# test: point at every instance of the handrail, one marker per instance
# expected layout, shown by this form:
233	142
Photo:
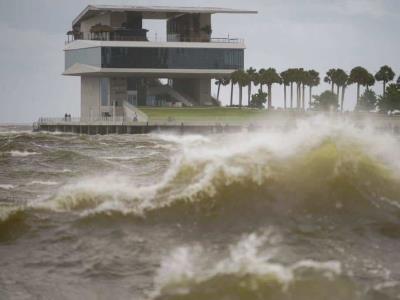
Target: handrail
155	38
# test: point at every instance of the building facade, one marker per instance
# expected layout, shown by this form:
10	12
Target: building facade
121	67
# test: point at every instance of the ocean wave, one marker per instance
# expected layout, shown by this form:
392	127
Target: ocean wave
7	186
247	269
6	212
12	221
42	182
183	139
17	153
318	166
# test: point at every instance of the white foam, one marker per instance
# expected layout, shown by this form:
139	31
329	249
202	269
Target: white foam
133	157
253	254
183	139
202	164
7	211
41	182
17	153
7	186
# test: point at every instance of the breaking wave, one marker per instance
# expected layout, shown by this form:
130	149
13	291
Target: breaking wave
17	153
248	271
319	166
7	186
12	221
42	182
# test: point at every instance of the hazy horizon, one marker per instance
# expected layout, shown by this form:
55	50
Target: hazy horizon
313	35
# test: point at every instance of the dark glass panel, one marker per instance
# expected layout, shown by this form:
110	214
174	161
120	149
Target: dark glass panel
172	58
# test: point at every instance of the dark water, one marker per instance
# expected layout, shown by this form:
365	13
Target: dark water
312	212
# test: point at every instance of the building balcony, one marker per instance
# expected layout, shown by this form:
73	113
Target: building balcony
136	36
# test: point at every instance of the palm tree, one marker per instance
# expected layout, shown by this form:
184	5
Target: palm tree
269	77
239	77
340	78
285	76
385	74
235	77
291	77
245	80
259	78
304	81
219	82
226	81
360	76
252	74
328	78
298	78
370	81
312	80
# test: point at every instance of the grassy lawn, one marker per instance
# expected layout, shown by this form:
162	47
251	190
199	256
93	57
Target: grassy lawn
202	113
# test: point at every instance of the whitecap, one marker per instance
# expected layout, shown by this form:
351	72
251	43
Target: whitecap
252	254
120	157
16	153
40	182
7	186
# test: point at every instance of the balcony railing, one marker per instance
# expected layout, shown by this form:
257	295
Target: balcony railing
123	121
107	36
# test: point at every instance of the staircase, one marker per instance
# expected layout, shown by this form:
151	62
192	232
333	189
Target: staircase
177	96
131	112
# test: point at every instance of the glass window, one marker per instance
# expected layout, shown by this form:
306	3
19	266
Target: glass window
105	91
172	58
85	56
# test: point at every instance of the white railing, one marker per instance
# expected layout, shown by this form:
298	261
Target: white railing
79	121
167	121
155	37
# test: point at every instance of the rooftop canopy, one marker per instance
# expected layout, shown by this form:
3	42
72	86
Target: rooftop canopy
155	12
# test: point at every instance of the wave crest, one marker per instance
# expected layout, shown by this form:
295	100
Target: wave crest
316	167
247	272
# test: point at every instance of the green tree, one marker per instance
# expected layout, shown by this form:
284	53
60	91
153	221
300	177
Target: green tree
298	78
291	75
235	77
340	78
360	76
259	78
312	80
327	101
285	75
251	72
244	80
329	78
390	100
385	74
303	82
368	101
219	82
270	77
370	81
259	99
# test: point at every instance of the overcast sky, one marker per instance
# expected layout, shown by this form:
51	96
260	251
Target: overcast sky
313	34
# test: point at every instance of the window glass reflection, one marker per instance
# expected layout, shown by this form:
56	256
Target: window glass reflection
172	58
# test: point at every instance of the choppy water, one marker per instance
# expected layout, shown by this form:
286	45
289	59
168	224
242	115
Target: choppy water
311	212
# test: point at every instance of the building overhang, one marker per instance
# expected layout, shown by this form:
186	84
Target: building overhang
154	12
87	70
81	44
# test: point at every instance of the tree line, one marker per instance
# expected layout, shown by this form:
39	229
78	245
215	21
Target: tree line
295	81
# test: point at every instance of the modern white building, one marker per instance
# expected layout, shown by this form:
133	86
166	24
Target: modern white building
121	66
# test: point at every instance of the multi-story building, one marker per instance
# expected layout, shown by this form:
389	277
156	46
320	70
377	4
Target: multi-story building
121	66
